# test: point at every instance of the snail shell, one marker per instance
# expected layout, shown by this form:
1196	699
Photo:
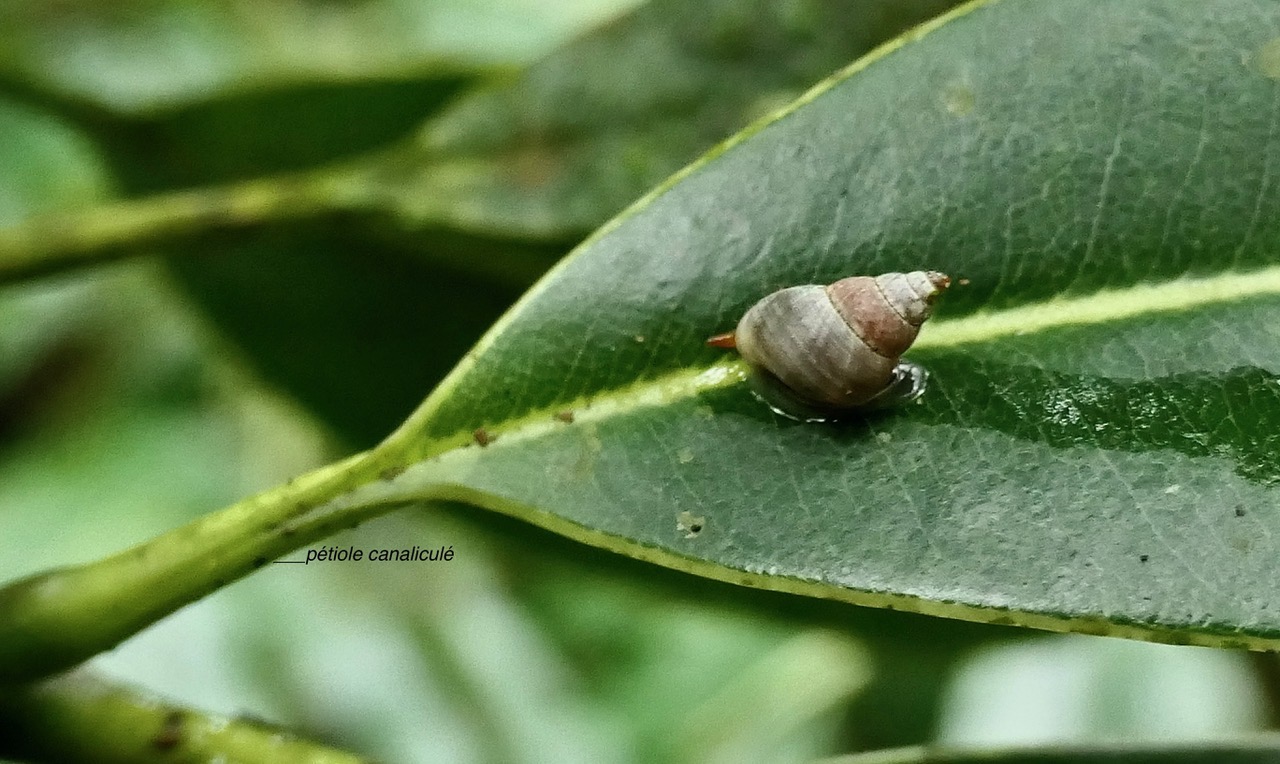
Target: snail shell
837	346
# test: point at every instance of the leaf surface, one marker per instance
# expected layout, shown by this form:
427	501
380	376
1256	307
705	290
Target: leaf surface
144	55
1097	449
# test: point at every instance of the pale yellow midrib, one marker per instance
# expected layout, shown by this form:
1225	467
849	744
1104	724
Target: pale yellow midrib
1100	308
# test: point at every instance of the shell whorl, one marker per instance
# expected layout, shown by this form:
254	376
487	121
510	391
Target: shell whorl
838	345
886	311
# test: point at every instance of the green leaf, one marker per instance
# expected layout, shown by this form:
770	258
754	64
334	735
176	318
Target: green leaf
45	165
354	329
1097	450
1071	689
1252	752
146	54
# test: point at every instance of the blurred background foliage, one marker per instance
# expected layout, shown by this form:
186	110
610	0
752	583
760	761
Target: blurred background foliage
138	395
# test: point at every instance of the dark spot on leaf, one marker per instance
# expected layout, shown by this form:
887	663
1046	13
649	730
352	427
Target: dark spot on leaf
391	473
1143	557
1240	512
565	416
483	437
689	524
258	562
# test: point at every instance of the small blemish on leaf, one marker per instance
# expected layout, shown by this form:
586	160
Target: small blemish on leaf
1240	512
391	473
684	455
1143	557
1266	60
1173	489
884	437
565	416
690	524
483	437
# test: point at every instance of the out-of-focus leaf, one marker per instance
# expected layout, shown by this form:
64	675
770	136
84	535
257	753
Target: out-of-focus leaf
353	327
45	165
267	130
558	150
1074	690
138	55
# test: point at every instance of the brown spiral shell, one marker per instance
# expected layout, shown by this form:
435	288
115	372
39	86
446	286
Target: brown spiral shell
837	346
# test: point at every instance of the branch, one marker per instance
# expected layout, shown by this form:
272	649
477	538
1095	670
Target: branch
80	718
61	240
56	619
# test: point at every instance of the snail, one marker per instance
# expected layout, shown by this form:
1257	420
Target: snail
836	348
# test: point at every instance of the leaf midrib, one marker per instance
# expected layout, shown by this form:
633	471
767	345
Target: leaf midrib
1107	306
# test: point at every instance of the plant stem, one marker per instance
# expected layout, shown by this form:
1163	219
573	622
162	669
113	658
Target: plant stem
56	619
79	718
61	240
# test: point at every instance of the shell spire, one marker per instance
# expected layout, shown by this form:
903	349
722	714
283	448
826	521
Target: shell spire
886	311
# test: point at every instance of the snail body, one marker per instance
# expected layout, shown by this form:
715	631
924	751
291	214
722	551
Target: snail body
838	347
